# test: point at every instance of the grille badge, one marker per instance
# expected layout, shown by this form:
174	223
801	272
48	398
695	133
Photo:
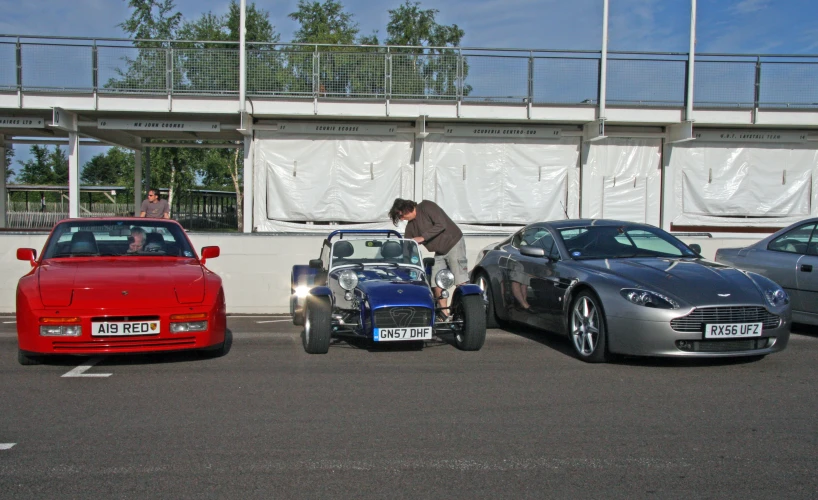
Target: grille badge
124	292
724	295
402	316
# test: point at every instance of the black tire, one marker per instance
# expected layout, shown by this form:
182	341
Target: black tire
222	349
317	325
482	280
472	334
26	359
586	328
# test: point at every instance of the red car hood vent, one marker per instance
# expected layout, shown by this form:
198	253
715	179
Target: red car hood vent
105	283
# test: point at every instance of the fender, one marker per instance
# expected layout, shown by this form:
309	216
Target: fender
321	291
467	289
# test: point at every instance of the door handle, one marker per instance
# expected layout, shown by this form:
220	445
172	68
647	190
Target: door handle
807	268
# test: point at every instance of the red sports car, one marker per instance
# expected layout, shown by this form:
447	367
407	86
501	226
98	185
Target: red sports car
123	285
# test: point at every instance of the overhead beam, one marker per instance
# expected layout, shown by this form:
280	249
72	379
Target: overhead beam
594	131
680	132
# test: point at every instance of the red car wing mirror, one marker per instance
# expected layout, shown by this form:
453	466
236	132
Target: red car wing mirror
209	253
28	254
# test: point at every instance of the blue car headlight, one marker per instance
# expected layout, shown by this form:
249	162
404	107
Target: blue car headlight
648	299
776	297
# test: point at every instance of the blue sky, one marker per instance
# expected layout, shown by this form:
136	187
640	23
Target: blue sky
745	26
723	26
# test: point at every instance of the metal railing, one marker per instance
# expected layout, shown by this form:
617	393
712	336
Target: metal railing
554	77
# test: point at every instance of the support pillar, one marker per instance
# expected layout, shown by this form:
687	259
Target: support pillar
247	210
137	182
73	174
3	170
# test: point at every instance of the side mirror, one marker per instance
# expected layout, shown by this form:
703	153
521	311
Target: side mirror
28	254
530	251
696	248
209	253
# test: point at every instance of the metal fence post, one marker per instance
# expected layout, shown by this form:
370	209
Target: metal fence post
459	79
19	57
95	72
530	99
169	75
387	84
757	90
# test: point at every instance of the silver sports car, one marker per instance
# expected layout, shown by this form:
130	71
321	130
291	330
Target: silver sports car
620	287
790	258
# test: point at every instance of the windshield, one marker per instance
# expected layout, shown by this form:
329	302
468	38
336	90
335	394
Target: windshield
90	238
610	242
375	251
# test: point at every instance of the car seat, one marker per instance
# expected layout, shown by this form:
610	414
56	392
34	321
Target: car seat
342	250
392	250
154	242
84	242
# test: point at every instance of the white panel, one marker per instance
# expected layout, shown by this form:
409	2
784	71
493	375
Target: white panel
313	178
490	181
730	183
622	180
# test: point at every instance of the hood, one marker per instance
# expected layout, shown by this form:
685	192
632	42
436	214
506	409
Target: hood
397	293
695	281
108	283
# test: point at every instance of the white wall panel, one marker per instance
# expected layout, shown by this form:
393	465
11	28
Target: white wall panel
494	180
724	183
621	179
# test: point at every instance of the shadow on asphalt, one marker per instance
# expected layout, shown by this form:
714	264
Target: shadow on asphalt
562	344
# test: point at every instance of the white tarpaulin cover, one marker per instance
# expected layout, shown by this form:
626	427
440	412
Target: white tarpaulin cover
622	179
321	178
723	183
494	180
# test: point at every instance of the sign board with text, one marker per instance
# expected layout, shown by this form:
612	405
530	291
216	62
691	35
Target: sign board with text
779	137
21	122
158	125
511	132
338	128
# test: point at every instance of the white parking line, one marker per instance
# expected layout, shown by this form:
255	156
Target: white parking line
8	322
275	321
6	446
81	369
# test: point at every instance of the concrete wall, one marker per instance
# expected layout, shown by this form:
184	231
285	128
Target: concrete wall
255	267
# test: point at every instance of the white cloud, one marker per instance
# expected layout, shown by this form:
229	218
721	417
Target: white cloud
748	6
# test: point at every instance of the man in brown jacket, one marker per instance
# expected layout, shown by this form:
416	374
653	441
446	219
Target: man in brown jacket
429	225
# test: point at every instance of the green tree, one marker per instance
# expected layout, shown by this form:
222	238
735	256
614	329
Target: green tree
214	66
344	70
153	23
37	170
59	166
112	168
9	158
430	70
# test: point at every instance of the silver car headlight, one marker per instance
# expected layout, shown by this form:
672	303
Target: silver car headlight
348	279
648	299
777	297
444	279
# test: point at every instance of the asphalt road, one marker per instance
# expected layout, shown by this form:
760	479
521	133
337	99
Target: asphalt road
519	419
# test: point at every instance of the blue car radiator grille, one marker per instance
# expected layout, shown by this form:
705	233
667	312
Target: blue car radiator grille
402	317
695	321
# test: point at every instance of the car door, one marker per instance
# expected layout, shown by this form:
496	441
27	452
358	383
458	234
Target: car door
531	278
786	262
806	273
546	284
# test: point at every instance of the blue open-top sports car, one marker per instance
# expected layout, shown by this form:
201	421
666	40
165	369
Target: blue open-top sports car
372	284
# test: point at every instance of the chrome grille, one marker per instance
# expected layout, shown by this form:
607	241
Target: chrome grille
695	321
403	317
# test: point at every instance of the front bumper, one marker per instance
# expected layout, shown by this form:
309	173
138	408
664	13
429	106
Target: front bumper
639	337
30	340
